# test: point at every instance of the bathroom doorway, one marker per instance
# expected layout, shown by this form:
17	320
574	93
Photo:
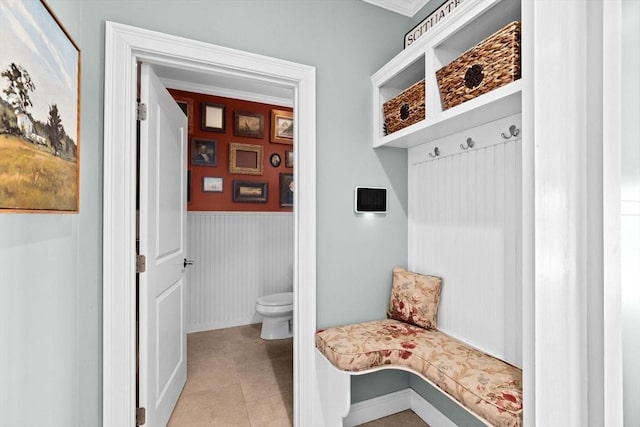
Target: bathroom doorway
124	46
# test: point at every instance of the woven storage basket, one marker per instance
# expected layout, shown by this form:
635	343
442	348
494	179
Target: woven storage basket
491	64
405	109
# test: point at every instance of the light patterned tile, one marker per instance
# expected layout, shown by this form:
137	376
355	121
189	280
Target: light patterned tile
220	407
264	379
271	411
406	418
234	378
210	373
253	351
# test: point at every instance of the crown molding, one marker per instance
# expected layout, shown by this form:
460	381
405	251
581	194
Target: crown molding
404	7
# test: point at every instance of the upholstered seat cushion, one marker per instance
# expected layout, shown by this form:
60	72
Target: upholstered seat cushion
487	386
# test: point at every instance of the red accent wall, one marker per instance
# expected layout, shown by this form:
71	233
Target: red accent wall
223	201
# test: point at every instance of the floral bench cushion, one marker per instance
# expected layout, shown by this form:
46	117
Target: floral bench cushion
485	385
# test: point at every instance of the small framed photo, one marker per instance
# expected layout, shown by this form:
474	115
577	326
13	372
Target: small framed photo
250	192
250	125
286	189
245	158
186	105
288	158
203	152
275	160
213	117
212	184
282	127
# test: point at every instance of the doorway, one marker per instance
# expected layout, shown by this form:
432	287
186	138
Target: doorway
124	47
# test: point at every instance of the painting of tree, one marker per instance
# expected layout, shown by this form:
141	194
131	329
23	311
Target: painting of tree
39	110
18	87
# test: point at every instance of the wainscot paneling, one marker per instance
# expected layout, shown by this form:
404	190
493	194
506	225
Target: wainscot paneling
464	225
238	256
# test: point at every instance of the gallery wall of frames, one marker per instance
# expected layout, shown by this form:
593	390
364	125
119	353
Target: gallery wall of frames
239	155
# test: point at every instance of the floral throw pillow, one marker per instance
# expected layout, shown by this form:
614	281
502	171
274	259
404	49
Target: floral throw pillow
414	298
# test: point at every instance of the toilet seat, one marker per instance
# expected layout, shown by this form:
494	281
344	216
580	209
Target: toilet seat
275	303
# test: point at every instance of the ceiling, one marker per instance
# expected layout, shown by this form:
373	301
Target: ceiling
220	84
404	7
238	88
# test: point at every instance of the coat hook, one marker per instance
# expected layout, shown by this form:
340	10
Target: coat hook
436	152
513	131
469	144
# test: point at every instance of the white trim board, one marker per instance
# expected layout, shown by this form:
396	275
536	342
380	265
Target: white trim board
392	403
125	46
226	92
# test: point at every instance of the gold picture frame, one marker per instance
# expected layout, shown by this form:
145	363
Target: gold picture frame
282	127
186	105
246	159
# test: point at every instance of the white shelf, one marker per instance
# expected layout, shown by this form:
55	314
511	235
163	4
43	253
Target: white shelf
501	102
468	26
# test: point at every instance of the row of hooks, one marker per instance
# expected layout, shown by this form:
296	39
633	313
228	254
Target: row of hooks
513	132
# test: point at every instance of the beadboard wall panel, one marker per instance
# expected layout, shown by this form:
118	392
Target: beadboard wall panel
237	258
464	225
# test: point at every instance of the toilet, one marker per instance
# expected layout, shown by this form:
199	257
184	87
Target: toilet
277	313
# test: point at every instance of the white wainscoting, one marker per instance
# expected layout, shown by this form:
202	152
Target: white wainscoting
465	226
237	258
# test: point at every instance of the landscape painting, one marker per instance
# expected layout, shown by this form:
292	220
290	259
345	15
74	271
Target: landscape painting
39	111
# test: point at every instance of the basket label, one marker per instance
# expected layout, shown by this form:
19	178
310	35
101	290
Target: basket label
430	21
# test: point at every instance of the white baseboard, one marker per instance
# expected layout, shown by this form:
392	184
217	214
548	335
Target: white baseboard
210	326
428	412
392	403
378	407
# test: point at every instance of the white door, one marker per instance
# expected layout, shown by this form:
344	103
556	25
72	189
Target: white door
163	356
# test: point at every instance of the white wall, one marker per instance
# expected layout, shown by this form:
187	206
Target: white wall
465	226
238	256
630	221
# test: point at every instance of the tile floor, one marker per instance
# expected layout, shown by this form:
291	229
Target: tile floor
236	379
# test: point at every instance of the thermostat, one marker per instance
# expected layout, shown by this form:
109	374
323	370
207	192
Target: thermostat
370	199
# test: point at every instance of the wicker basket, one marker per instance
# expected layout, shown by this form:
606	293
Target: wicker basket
491	64
405	109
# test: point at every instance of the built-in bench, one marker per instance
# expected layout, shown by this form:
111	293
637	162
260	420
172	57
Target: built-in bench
487	387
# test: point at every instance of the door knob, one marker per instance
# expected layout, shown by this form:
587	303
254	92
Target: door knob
187	262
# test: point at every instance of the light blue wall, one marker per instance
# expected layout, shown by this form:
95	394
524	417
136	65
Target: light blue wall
50	265
50	318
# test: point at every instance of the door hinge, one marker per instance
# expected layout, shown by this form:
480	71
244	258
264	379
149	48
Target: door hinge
142	111
141	415
141	263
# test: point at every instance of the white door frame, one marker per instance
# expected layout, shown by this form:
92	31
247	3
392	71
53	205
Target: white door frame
124	47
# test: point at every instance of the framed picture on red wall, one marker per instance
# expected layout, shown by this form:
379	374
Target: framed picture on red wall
213	117
286	189
288	158
250	125
203	152
212	184
245	159
250	192
282	127
186	105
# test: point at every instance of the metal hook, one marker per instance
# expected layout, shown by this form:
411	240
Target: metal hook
469	144
436	152
513	131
